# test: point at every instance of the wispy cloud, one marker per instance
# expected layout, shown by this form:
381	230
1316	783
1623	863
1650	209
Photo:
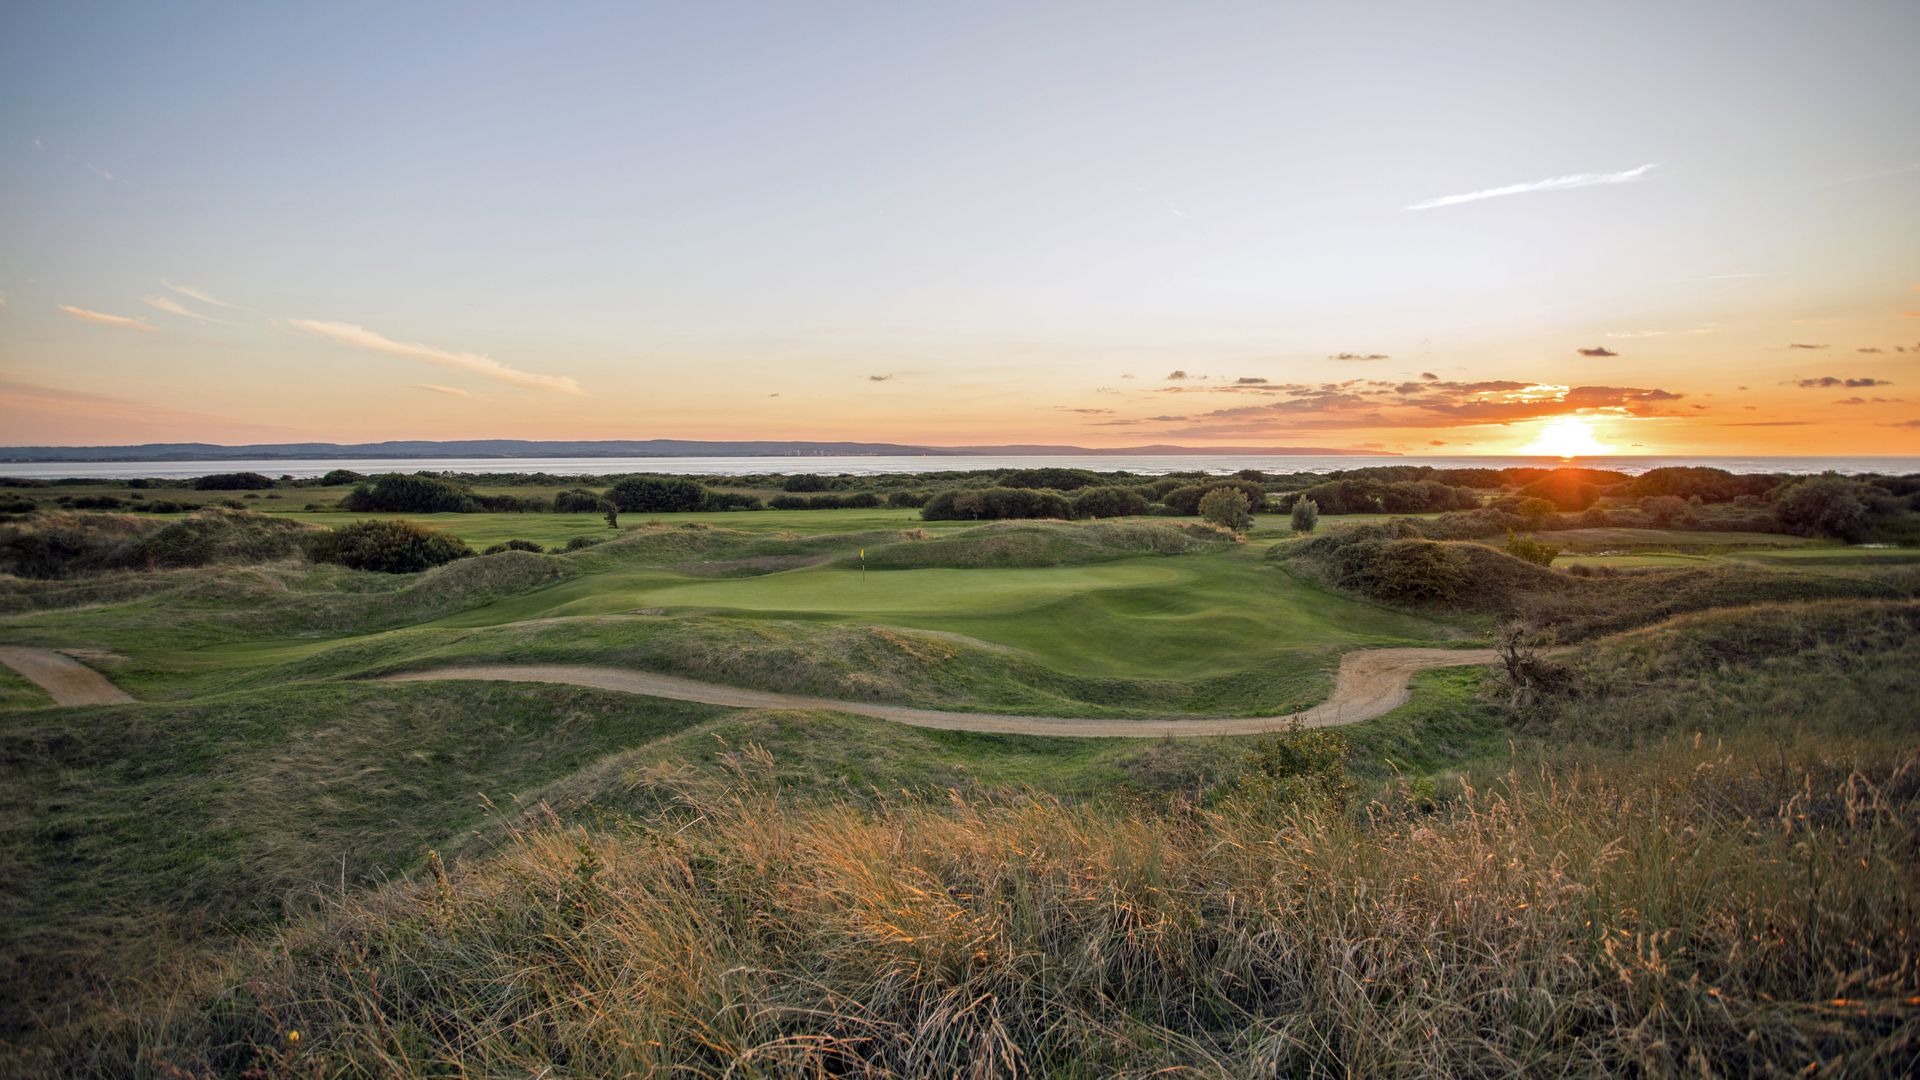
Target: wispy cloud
450	391
1797	345
880	378
1555	183
1359	356
360	337
105	319
1599	350
174	307
192	293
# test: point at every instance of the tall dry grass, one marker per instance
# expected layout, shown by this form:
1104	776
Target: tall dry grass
1698	907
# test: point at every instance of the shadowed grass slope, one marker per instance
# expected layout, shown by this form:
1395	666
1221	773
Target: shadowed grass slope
121	822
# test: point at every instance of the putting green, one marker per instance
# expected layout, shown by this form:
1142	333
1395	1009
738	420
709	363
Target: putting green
1178	617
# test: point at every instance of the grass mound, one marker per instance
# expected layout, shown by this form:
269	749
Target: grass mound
1390	564
218	536
66	545
1025	544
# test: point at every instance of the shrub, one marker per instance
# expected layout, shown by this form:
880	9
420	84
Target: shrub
1832	506
576	501
1298	767
1668	511
1306	515
386	546
516	545
1054	478
1372	496
1530	550
340	478
1110	502
806	482
1566	489
656	495
995	504
1707	485
239	481
1226	508
579	543
789	502
907	500
96	502
715	501
1409	571
403	493
1534	512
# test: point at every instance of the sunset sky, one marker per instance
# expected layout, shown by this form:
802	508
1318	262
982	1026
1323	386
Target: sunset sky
1692	227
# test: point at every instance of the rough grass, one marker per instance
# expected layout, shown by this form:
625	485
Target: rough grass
1694	910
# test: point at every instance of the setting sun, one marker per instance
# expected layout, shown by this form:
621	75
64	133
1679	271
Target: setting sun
1566	437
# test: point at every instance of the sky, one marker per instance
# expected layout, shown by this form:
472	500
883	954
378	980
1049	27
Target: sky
1474	228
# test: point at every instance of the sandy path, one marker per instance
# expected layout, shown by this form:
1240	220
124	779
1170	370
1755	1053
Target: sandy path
1370	682
66	680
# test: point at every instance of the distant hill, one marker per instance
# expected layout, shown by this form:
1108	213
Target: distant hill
523	448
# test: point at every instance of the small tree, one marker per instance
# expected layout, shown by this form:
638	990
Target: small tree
613	514
1227	508
1533	551
1306	515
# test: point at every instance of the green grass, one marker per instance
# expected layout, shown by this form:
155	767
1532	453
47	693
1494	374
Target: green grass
17	693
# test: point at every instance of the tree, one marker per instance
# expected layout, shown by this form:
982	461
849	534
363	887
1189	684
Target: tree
1226	508
1306	515
656	495
1186	500
613	514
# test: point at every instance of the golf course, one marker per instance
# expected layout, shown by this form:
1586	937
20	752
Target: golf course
237	772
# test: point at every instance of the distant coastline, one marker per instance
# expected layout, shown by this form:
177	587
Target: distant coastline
1214	462
622	448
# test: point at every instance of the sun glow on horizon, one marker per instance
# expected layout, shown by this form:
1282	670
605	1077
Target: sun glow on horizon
1566	437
